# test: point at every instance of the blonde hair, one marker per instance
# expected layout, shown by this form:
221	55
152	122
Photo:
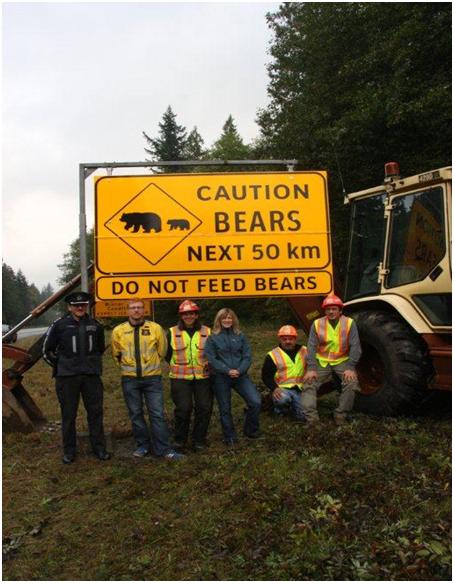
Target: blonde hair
217	325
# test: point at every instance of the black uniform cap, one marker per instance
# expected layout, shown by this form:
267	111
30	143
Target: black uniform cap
79	297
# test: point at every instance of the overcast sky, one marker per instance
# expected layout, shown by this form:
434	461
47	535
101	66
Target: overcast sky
82	81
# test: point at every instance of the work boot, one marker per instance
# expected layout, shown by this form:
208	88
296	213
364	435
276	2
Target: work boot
256	435
178	444
199	446
141	451
340	419
174	456
68	458
231	444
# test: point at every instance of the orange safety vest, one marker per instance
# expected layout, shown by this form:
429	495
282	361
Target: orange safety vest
288	372
187	360
333	343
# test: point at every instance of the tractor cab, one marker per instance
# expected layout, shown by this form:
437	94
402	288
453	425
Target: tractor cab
400	246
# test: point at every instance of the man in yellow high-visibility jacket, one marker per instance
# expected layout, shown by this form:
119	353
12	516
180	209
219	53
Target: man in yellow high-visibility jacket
189	376
283	371
333	349
138	346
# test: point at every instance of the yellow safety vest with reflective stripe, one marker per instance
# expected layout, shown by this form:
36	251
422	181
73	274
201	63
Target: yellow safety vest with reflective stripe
333	342
187	360
288	372
151	348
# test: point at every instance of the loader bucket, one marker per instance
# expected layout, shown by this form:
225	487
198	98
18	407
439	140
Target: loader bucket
19	411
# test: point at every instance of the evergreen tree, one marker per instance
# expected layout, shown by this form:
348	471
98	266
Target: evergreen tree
11	306
170	145
46	292
193	149
19	298
52	313
23	295
230	145
34	297
71	260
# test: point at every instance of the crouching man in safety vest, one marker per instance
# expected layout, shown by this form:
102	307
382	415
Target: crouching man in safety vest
138	345
333	348
189	376
283	372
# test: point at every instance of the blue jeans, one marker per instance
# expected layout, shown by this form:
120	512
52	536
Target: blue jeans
223	385
290	400
149	389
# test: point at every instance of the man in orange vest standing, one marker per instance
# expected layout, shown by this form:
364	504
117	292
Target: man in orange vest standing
283	372
333	348
189	376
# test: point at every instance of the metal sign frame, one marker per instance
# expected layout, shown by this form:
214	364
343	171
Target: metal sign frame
87	168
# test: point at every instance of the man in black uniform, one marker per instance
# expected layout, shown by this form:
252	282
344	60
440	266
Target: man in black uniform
74	346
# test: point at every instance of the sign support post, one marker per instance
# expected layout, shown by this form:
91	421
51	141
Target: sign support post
82	231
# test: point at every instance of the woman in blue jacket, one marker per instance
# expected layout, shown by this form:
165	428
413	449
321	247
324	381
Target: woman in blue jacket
229	355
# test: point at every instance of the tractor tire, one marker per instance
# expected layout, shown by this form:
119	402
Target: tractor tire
394	367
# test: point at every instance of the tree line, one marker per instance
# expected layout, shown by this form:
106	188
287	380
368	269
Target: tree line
351	86
19	298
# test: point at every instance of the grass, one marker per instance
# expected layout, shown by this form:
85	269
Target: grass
368	501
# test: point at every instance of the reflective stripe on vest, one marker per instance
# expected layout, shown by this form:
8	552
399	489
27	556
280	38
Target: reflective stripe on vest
288	372
187	360
333	343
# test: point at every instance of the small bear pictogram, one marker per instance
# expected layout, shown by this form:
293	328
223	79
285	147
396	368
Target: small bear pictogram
181	224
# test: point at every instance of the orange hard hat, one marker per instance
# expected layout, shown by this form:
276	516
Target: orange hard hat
332	300
188	306
287	331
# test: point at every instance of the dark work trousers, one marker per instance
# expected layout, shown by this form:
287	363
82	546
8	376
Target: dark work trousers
69	390
188	395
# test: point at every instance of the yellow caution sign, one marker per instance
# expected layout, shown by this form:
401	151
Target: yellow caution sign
211	228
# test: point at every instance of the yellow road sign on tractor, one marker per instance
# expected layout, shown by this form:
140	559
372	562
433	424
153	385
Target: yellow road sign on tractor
207	235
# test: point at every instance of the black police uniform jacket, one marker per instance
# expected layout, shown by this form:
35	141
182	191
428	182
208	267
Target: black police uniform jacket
74	347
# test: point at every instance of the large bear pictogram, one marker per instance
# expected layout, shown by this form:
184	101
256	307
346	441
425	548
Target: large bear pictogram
148	222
